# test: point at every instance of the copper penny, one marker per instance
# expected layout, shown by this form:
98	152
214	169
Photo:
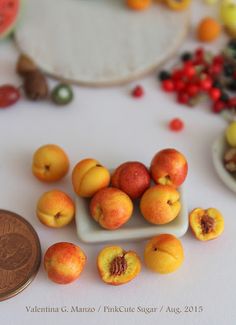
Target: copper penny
20	254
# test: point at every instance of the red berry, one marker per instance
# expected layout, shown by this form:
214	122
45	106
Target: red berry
192	89
214	94
199	53
168	85
215	69
9	95
179	85
138	92
176	125
218	106
189	71
206	83
183	98
232	102
177	74
218	59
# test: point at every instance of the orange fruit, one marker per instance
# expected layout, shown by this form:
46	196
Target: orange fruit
178	4
138	4
208	30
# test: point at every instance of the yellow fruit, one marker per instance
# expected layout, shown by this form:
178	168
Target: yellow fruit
231	134
228	13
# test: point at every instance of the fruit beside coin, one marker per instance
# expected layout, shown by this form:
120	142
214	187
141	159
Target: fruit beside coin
64	262
116	266
55	209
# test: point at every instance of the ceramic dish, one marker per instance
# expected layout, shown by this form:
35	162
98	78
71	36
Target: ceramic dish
218	150
137	228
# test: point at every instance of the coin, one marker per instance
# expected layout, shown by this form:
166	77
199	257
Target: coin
20	254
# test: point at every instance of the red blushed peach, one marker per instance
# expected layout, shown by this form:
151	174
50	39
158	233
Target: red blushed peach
55	209
111	208
132	178
64	262
89	176
160	204
169	167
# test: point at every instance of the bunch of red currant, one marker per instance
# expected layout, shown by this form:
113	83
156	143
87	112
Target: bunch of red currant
202	74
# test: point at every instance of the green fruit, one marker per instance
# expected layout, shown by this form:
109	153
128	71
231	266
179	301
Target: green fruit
10	12
231	134
62	94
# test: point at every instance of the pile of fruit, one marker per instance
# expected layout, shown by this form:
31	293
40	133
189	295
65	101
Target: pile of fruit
111	206
202	75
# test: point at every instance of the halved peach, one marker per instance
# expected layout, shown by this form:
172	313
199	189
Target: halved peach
116	266
206	224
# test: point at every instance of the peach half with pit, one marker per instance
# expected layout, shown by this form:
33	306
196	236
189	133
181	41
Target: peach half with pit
116	266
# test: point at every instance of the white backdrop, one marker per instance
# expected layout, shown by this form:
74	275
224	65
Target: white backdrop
109	125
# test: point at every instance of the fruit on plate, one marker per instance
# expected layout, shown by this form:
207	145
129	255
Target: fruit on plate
164	254
89	176
230	134
64	262
208	30
25	65
138	4
50	163
230	160
55	209
116	266
206	224
131	177
228	13
169	167
160	204
178	4
9	15
111	208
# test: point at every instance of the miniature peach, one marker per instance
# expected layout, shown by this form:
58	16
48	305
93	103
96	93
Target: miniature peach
208	30
164	254
206	224
131	177
64	262
138	4
169	167
50	163
55	209
160	204
116	266
88	177
111	208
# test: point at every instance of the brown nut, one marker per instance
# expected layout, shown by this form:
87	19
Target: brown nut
35	85
25	65
230	160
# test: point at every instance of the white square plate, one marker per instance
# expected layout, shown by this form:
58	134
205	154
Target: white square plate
136	228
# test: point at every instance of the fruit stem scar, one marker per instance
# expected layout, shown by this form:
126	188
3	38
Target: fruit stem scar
58	215
47	167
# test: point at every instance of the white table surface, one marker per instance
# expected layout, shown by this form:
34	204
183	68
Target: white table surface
109	125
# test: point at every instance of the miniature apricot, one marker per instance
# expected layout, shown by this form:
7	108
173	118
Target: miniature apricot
206	224
178	4
164	254
116	266
139	4
208	30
